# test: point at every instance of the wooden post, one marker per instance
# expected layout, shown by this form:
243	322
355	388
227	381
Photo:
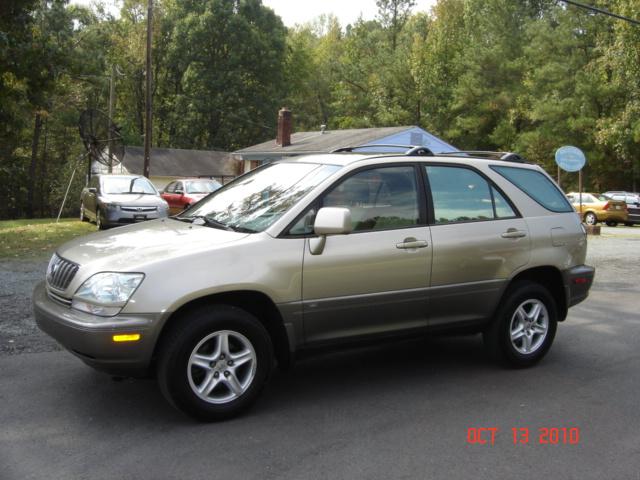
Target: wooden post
580	188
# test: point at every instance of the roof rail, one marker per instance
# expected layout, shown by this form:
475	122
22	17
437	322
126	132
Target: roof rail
411	150
504	156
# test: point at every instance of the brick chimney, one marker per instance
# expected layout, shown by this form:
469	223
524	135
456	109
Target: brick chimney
284	127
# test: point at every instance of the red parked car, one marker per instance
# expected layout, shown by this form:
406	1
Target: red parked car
183	193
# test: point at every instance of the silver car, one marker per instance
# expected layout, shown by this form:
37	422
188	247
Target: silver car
315	252
111	200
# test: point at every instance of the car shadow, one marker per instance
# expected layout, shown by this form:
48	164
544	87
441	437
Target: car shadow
360	373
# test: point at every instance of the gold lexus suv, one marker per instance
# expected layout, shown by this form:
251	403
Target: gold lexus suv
318	251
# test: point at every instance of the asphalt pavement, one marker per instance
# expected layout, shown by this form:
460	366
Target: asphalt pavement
392	412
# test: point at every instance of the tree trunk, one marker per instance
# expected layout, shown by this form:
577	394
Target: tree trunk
44	197
37	129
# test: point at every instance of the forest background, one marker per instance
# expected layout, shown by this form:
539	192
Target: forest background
509	75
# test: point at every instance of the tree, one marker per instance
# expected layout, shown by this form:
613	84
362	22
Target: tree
226	62
393	15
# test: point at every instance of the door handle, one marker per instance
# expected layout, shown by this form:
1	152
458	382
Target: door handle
412	243
514	233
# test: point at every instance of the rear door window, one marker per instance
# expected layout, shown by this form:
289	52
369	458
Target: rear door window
462	195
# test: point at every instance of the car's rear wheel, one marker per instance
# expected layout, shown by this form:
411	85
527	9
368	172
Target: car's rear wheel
627	224
590	218
611	223
215	364
524	327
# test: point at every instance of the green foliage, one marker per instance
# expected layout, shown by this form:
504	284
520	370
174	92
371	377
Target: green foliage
527	76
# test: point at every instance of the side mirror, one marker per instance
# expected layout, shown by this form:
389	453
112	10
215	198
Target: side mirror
178	192
92	190
329	221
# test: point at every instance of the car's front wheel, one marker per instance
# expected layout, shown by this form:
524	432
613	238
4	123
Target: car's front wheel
524	327
611	223
99	220
83	217
214	365
590	218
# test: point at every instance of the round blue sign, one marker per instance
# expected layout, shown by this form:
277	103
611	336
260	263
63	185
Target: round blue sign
570	159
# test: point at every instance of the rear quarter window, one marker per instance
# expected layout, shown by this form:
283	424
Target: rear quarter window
537	186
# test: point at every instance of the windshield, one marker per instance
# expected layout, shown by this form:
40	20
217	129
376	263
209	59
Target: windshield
118	185
202	186
257	200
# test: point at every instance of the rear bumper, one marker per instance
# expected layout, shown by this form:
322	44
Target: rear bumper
613	216
577	282
90	337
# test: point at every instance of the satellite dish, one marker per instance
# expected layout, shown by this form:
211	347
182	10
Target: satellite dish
101	138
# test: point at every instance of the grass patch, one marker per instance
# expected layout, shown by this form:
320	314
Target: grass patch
38	238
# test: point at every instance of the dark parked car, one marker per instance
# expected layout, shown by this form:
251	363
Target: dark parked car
183	193
633	204
111	200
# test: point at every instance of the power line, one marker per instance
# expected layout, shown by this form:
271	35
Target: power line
602	11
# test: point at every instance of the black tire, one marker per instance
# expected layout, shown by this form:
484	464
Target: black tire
497	337
590	218
627	224
611	223
176	377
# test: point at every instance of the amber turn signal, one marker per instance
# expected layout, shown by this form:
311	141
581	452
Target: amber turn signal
128	337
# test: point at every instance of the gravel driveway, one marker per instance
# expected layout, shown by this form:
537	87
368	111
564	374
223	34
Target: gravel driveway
617	249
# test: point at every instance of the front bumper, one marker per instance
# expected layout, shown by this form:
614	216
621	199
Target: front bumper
117	216
577	282
91	337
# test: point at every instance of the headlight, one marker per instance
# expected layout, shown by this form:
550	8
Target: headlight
105	294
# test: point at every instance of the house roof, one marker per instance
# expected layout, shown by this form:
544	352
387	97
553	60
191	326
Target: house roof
329	140
176	162
318	142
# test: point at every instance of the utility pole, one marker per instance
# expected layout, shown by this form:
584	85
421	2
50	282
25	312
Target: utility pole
148	129
112	99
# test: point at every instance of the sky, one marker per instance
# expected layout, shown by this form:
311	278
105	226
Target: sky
301	11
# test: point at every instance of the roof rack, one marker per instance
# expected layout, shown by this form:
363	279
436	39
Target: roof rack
421	151
411	150
504	156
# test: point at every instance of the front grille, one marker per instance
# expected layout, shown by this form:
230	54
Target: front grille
139	209
59	299
60	272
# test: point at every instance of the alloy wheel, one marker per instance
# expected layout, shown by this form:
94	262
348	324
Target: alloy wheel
529	326
222	367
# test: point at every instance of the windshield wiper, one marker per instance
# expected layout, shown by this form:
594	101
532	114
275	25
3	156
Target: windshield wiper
210	222
240	229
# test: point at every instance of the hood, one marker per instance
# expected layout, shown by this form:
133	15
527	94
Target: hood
132	247
136	199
